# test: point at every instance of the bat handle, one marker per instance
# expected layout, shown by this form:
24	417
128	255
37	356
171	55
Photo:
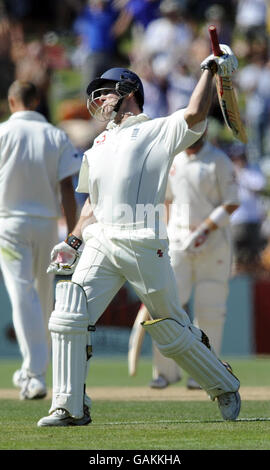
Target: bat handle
214	41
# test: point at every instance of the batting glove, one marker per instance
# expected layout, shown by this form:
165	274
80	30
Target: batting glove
65	256
196	241
224	65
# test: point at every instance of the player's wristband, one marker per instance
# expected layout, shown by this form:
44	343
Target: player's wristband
220	216
73	241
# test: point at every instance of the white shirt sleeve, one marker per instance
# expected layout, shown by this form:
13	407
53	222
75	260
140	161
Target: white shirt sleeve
70	160
176	136
227	181
83	177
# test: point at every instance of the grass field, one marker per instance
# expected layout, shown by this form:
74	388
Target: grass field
128	415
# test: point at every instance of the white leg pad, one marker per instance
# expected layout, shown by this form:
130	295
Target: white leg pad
71	348
165	366
183	343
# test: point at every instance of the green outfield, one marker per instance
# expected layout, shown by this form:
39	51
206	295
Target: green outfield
127	415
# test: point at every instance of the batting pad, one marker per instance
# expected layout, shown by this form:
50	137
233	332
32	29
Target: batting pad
70	348
165	366
184	345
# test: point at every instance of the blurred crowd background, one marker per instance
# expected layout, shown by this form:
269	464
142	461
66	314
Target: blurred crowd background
61	45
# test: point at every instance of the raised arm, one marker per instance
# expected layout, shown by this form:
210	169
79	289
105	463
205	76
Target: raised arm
200	101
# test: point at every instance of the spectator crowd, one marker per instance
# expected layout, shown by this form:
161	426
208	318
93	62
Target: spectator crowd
164	42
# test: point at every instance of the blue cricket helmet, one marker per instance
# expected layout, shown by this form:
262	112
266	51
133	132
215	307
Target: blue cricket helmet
125	81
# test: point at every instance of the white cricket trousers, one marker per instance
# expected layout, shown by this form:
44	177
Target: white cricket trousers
25	247
112	256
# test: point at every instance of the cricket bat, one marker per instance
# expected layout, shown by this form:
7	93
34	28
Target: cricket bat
226	95
136	340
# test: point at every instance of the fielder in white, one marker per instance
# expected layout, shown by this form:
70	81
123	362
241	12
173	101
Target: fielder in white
125	173
36	164
201	195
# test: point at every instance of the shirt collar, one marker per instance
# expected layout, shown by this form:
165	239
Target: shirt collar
28	115
129	121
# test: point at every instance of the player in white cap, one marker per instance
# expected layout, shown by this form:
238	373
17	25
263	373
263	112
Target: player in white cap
125	173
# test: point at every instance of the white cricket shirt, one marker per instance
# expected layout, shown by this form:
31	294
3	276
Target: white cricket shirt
126	170
197	185
34	157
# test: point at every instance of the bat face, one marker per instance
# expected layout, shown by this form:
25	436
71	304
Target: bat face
226	94
229	107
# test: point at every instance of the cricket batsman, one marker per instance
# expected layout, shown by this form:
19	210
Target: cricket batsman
125	173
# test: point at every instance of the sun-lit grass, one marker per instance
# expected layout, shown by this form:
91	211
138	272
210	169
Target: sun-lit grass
130	425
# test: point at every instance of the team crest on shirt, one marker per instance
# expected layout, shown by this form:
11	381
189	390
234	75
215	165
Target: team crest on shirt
134	134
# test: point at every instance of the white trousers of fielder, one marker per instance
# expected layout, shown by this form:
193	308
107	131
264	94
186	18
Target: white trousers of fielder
25	247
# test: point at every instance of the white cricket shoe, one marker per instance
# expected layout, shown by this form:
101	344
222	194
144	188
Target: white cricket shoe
229	404
19	378
31	387
35	388
61	417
